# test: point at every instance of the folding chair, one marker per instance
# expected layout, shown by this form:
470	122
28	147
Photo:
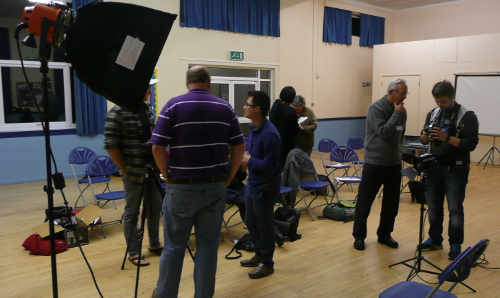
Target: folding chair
82	156
284	190
457	271
342	155
326	146
101	167
225	222
356	143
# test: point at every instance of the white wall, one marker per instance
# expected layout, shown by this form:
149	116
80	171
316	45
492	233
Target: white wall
436	60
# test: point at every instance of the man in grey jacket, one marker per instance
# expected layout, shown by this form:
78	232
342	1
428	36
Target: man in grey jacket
385	128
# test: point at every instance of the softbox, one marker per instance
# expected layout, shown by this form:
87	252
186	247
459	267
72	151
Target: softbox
114	47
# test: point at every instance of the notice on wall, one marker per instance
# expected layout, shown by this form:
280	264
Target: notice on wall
130	52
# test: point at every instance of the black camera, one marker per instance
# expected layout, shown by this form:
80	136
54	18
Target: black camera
428	128
421	162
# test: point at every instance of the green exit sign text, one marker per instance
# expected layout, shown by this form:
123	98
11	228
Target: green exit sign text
233	55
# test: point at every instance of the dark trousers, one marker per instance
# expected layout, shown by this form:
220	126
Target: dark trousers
260	223
373	177
440	182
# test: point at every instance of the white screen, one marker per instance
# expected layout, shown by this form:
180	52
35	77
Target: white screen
481	94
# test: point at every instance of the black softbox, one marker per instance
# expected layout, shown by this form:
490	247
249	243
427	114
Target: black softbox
104	29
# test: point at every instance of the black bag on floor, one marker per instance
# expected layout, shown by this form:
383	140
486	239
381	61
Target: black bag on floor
337	211
287	221
417	191
244	243
324	190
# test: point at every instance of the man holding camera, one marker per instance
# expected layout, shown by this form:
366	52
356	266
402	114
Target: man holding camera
385	128
125	138
451	131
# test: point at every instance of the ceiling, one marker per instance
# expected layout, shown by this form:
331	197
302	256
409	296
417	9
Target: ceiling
402	4
15	8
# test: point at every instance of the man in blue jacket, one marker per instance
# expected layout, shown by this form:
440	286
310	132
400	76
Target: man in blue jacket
263	183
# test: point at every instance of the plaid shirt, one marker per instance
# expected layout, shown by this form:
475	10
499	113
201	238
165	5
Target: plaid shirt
124	130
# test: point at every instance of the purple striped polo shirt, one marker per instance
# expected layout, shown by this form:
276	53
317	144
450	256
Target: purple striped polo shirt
198	127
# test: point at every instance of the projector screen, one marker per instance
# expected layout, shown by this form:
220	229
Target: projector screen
481	94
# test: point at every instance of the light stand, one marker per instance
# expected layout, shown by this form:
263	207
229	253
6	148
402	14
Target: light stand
416	268
490	154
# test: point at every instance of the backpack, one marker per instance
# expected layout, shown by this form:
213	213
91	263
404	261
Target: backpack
244	243
286	220
417	191
338	211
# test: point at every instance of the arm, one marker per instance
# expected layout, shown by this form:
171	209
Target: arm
272	149
161	159
117	158
312	122
383	127
234	161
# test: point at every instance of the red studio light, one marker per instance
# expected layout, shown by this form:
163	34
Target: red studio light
33	15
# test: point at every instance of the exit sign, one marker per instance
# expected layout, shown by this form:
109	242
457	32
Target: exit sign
233	55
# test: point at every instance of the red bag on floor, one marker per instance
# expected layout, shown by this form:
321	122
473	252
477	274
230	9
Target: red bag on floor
39	246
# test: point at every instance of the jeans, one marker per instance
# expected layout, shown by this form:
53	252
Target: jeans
185	206
373	177
260	223
131	214
440	182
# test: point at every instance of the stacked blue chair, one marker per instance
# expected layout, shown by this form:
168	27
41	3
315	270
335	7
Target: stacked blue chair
342	155
326	146
81	156
356	143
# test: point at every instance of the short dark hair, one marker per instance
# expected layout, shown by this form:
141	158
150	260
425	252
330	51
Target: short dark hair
287	94
197	74
261	99
443	88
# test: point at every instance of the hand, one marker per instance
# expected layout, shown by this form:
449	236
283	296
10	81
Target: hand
301	127
400	107
244	161
438	134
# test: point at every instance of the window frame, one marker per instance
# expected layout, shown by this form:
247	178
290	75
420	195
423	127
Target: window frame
37	126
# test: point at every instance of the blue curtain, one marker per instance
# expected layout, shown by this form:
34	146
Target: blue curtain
337	25
372	30
90	107
243	16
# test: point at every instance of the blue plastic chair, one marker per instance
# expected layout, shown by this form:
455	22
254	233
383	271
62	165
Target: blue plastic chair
356	143
457	271
81	156
101	167
343	155
326	146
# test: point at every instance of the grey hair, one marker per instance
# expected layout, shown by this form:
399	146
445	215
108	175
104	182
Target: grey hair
393	85
299	100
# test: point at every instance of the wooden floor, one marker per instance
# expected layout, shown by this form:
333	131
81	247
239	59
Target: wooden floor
321	264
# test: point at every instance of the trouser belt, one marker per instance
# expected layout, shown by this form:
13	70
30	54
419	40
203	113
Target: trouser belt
199	180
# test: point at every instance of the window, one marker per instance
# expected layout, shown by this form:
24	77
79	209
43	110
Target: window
233	84
18	110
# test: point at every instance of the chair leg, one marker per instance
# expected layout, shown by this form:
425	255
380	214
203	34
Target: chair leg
102	227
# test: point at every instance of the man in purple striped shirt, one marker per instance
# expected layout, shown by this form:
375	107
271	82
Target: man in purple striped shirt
206	149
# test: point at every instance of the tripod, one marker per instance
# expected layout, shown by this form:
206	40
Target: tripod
150	178
490	154
417	260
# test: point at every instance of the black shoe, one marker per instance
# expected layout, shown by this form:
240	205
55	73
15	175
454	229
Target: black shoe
388	241
455	250
260	272
252	262
359	244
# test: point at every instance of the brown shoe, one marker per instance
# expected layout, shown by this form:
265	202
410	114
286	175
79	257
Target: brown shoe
252	262
260	272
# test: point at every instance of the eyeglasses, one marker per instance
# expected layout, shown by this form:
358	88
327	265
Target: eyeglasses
402	93
249	105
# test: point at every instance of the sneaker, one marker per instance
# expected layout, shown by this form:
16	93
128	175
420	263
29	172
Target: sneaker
252	262
430	244
260	272
455	250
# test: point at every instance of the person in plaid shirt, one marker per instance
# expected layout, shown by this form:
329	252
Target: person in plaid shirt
125	138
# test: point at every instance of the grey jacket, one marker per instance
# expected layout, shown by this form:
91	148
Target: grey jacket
298	168
385	128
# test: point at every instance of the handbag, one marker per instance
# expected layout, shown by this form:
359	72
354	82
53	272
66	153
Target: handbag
244	243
